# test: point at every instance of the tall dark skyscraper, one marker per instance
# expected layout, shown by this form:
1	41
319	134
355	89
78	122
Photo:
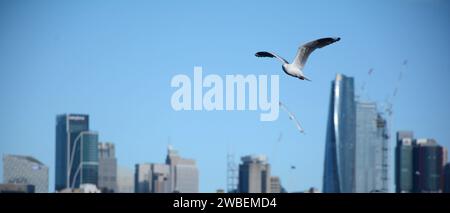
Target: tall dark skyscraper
419	164
404	162
428	166
339	166
76	152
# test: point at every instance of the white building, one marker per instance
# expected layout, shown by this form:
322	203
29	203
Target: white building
26	170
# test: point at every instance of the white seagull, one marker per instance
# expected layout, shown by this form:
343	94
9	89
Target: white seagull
295	69
292	117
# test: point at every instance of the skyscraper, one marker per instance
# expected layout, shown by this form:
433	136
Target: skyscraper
371	153
85	160
404	162
76	152
428	166
339	165
160	178
142	175
107	167
25	170
183	173
420	164
254	175
152	178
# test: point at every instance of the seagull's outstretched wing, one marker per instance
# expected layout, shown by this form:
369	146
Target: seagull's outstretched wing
292	118
271	55
305	50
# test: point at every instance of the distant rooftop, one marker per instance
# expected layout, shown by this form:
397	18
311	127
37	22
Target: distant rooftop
255	158
28	158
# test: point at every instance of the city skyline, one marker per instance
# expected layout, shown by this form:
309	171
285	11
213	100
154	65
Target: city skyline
356	158
110	61
365	129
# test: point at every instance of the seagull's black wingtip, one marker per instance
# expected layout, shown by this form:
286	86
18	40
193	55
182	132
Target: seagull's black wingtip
264	54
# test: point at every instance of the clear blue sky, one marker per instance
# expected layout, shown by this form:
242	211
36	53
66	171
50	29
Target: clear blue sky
114	61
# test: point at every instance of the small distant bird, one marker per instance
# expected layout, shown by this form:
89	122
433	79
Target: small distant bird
280	137
293	167
295	69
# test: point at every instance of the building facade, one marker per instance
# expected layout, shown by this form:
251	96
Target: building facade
339	164
428	160
420	164
25	170
184	174
254	175
404	162
84	166
16	188
142	178
275	185
372	150
76	160
152	178
107	167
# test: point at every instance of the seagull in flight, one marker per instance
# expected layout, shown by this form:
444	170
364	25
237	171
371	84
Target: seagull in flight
295	69
292	118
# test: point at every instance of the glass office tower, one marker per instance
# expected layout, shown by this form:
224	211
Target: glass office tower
339	165
372	150
428	161
85	170
404	162
419	164
76	159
